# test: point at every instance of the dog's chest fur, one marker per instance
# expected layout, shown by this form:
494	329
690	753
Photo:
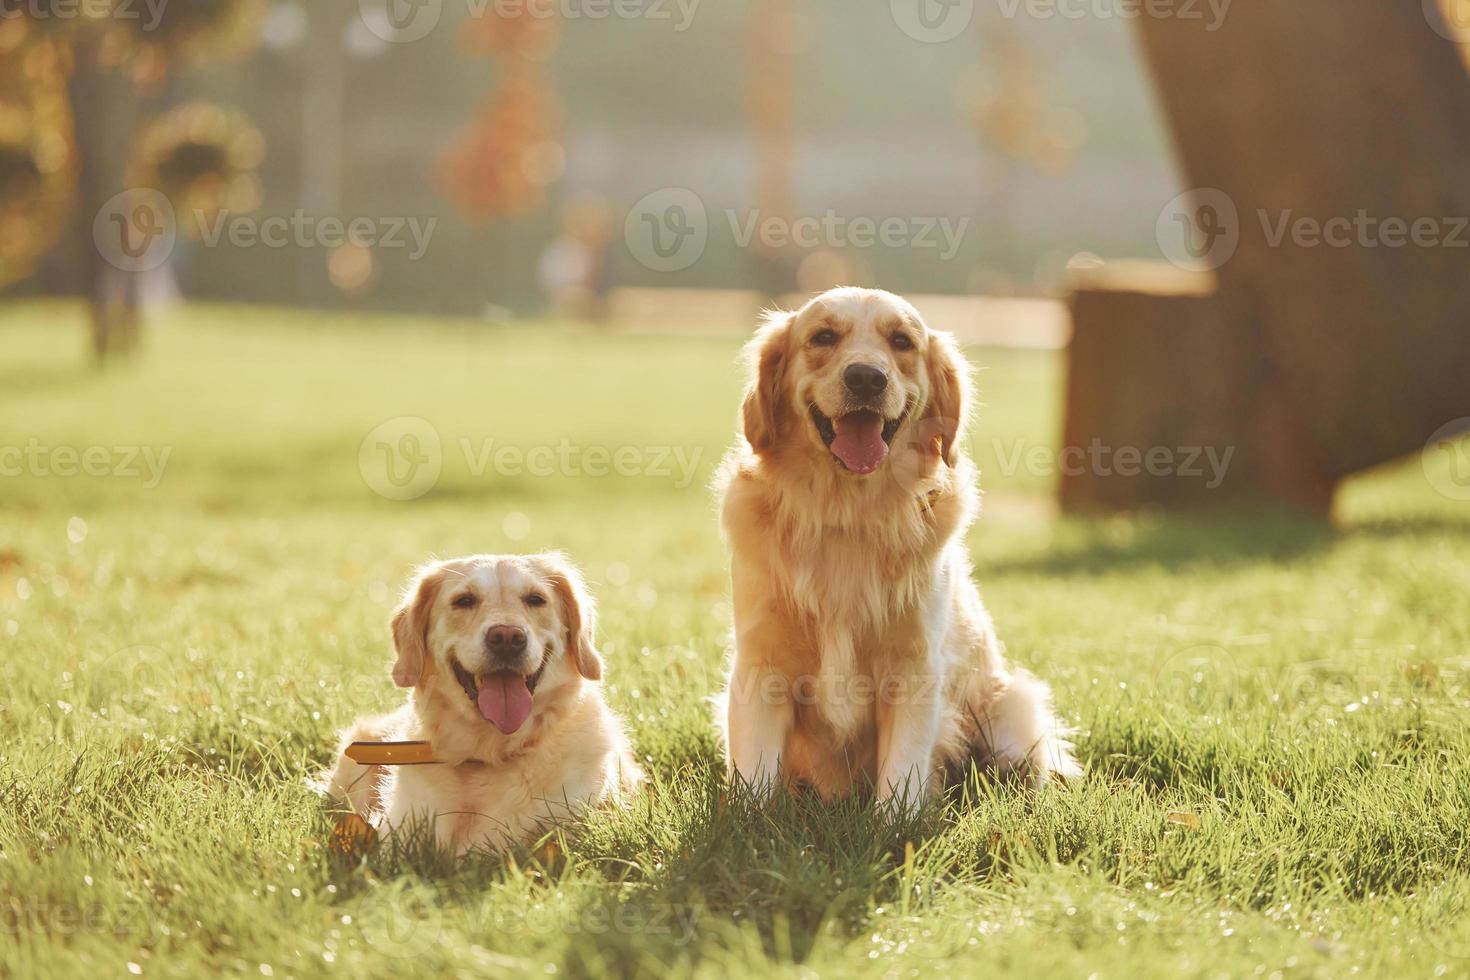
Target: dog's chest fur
468	804
856	578
860	595
862	575
851	572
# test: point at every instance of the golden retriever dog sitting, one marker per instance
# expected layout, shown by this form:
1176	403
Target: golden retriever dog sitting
499	658
863	655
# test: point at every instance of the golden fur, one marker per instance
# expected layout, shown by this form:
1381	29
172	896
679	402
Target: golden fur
495	789
863	654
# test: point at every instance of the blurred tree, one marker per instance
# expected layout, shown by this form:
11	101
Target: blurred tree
101	43
37	156
781	35
203	159
509	155
1015	110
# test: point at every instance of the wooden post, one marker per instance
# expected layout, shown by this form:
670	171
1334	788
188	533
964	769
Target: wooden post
1333	128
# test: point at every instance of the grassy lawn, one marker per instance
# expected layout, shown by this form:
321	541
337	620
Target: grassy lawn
1273	713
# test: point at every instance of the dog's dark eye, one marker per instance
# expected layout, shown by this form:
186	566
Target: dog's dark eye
824	338
535	599
464	601
901	341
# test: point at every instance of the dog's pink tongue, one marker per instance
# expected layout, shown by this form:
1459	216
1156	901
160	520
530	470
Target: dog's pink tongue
859	443
505	700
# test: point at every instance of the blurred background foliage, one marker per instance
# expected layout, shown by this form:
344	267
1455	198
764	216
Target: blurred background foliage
1043	133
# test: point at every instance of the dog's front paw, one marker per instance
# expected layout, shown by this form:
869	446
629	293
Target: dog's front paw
903	795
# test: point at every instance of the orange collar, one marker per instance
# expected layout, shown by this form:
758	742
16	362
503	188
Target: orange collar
391	753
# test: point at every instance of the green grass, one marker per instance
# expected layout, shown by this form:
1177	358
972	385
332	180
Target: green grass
1273	713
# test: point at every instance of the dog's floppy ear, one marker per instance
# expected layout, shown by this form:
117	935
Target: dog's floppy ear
578	611
949	394
411	626
760	414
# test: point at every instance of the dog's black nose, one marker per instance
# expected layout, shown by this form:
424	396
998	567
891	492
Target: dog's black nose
505	639
865	380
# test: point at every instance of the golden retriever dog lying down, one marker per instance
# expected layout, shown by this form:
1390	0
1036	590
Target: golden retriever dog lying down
499	658
863	655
